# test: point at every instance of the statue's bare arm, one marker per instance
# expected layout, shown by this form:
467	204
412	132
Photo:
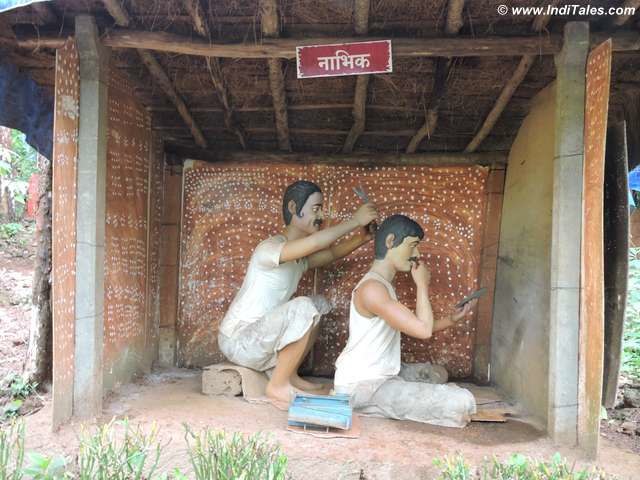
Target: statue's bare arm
372	299
323	239
338	250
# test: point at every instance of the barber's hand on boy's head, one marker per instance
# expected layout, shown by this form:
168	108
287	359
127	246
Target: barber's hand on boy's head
366	214
420	273
366	233
461	312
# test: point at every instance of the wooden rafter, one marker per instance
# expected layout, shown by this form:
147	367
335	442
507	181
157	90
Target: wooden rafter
454	23
270	29
361	27
538	25
548	44
215	71
286	47
363	159
122	18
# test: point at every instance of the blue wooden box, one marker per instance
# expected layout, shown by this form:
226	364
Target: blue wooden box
320	411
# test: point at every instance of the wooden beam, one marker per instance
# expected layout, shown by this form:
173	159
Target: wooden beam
332	132
501	103
443	67
286	47
454	20
157	72
623	41
270	29
377	159
201	26
361	27
538	25
541	21
453	25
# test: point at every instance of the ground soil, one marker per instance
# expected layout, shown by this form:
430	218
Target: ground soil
17	255
386	449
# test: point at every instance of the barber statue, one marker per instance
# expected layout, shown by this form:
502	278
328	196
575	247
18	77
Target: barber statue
264	327
369	367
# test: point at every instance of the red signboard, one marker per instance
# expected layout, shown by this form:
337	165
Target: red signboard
344	59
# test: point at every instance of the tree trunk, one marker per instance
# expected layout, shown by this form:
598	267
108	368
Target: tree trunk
38	363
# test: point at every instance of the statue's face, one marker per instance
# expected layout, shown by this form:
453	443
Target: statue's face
402	255
311	216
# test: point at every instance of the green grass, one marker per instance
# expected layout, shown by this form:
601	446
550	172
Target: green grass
516	467
120	451
217	456
12	451
631	337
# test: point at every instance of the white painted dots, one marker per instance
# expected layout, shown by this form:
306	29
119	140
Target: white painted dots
229	208
128	161
65	155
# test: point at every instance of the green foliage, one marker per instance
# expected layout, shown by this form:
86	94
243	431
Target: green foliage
11	409
10	230
17	163
103	456
214	456
516	467
631	338
12	451
42	467
17	387
453	468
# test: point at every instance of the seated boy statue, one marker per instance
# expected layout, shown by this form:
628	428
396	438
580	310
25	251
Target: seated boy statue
369	367
264	328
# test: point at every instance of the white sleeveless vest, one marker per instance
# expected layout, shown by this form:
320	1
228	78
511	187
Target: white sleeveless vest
373	348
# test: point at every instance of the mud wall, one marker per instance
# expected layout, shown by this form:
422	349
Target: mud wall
520	345
131	236
229	208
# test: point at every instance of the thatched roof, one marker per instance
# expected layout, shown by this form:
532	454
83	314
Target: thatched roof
320	110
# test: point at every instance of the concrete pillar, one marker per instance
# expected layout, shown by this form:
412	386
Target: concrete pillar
90	228
564	318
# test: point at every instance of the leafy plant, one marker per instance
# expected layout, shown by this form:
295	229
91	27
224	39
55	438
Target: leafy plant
453	468
214	456
12	451
18	161
42	467
103	457
17	386
516	467
10	230
11	409
631	337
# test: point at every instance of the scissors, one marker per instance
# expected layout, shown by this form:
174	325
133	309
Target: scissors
362	195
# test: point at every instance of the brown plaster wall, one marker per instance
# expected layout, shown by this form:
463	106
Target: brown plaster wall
129	155
520	345
592	271
65	159
229	208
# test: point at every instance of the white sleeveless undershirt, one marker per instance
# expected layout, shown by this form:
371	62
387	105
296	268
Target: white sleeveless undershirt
373	349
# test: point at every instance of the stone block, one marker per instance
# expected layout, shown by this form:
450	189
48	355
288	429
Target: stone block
221	382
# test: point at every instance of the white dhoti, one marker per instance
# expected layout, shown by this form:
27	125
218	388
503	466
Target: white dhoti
257	344
446	405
